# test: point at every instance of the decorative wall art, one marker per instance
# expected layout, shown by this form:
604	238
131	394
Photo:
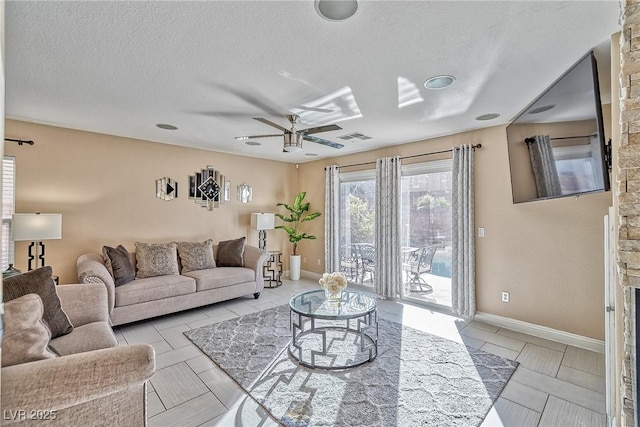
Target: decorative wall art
227	190
166	188
207	188
245	193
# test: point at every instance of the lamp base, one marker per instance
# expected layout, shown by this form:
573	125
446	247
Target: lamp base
262	239
39	255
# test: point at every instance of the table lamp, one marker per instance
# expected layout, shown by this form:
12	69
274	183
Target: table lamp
263	222
36	227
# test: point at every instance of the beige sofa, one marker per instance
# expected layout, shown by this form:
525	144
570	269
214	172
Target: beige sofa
156	296
93	382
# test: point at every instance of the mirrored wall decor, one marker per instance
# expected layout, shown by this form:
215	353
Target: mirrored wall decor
166	189
557	144
227	190
207	188
245	193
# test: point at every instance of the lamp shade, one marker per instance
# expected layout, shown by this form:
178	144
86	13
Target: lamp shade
263	221
37	226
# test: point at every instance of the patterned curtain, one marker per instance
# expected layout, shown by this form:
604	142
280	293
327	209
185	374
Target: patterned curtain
463	262
331	219
388	274
544	166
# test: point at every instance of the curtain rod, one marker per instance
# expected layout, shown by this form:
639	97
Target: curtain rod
530	139
19	141
410	157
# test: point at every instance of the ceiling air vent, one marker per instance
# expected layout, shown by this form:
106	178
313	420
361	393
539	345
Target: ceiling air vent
354	135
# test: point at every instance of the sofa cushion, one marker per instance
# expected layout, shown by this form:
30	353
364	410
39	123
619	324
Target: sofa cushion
89	337
26	336
156	259
196	255
40	282
221	277
230	253
118	263
154	288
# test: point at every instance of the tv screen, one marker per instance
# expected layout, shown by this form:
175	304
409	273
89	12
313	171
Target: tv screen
557	144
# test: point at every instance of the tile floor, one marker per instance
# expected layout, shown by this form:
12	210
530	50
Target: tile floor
555	384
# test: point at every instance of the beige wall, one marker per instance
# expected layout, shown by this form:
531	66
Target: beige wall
104	186
547	254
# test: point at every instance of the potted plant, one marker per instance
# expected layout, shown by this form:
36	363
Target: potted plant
297	214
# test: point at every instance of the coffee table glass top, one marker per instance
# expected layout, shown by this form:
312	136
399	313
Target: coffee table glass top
313	304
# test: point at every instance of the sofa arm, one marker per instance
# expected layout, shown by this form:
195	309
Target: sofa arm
85	303
63	382
254	258
91	269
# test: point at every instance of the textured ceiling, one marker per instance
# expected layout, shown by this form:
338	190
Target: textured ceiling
208	67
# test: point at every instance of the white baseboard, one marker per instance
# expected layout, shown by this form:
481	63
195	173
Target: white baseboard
304	274
542	332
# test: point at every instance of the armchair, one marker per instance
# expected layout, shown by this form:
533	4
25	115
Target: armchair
93	382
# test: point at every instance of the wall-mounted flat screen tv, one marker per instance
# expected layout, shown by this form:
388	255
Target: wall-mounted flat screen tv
557	144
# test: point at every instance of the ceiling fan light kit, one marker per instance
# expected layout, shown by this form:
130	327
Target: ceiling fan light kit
292	142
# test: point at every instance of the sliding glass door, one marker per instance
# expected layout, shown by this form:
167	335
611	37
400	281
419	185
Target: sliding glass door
426	232
357	220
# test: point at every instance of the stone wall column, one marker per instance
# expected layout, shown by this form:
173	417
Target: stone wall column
627	191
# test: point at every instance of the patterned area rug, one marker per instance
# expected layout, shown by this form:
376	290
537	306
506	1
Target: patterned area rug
418	379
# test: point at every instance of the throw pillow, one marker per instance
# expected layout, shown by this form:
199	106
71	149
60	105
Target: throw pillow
196	256
230	253
156	259
40	282
119	264
26	336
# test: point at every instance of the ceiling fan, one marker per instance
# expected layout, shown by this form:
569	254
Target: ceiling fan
293	137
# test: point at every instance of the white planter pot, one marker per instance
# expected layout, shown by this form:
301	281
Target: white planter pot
294	267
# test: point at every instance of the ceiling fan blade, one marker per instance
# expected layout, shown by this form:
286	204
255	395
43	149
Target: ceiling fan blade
252	99
270	123
244	138
318	110
319	129
323	141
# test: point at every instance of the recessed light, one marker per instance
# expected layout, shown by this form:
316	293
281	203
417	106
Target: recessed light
166	126
311	154
253	143
336	10
439	82
489	116
541	109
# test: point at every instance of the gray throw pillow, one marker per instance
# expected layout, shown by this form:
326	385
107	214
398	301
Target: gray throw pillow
156	259
196	256
26	336
230	253
40	282
119	264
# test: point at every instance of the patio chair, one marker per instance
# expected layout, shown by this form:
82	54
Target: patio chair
350	262
419	263
368	259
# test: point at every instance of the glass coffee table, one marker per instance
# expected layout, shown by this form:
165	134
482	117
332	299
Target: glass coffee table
333	335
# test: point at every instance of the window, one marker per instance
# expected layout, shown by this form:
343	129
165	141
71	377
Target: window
8	208
426	231
357	226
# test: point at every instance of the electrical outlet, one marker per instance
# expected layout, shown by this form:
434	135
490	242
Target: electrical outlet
481	232
505	296
318	261
304	259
